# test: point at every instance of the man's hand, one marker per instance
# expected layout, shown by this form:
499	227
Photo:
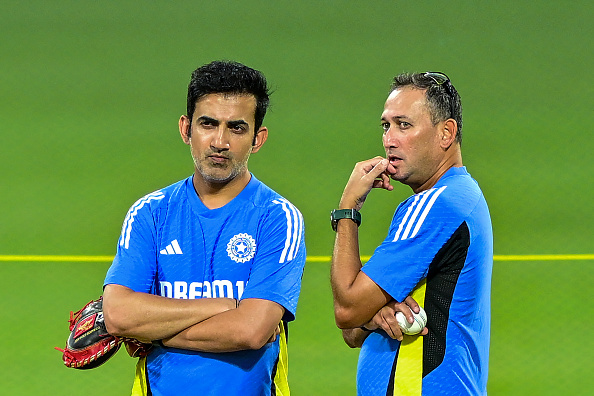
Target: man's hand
365	176
385	318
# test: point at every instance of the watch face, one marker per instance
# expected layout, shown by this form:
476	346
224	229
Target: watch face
333	220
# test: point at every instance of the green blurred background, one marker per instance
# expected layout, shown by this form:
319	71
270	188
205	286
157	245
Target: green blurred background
90	95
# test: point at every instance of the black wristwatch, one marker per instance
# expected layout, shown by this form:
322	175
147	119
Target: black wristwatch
338	214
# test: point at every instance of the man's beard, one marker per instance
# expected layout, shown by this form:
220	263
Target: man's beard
209	172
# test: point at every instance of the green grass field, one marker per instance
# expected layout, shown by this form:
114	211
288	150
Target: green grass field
90	95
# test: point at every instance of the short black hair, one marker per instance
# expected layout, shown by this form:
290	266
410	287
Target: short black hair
442	105
229	77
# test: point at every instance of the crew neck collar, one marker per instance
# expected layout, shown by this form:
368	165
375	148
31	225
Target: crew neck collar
201	209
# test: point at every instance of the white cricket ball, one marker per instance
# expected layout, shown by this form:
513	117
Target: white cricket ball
416	326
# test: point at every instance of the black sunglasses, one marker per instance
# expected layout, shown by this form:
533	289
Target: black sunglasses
443	80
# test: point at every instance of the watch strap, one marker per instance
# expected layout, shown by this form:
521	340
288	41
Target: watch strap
339	214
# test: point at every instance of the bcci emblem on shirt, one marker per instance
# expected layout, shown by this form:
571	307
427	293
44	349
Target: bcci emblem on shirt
241	248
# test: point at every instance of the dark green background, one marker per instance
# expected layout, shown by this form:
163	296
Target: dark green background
90	95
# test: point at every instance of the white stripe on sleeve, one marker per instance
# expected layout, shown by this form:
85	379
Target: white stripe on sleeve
289	227
426	211
422	205
405	219
127	227
294	229
415	214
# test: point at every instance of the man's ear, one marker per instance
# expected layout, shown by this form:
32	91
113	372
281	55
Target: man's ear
449	131
185	128
260	139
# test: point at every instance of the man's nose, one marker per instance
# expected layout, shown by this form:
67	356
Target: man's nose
220	139
390	139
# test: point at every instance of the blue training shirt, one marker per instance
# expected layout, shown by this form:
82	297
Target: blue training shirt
172	245
440	241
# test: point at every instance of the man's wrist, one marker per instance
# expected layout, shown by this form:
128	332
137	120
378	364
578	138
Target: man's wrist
348	203
339	214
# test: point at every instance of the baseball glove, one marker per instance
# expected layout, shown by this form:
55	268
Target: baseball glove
89	344
137	349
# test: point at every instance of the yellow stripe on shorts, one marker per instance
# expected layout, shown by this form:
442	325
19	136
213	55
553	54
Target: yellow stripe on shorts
140	388
281	380
408	379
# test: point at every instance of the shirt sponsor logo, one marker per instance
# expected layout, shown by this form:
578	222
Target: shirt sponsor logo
241	248
206	289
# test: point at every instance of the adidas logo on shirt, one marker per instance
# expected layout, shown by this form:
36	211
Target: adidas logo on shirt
172	248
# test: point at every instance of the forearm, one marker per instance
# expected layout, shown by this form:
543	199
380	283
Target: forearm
356	297
148	317
346	264
250	326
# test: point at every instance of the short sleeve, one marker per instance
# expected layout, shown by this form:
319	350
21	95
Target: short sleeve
420	227
280	258
134	265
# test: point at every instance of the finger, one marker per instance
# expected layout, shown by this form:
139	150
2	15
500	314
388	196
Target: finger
391	317
364	167
390	326
360	183
378	183
412	304
382	181
388	329
386	181
395	329
406	310
377	169
390	170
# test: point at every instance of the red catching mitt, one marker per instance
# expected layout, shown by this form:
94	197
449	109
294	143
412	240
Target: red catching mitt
89	344
137	349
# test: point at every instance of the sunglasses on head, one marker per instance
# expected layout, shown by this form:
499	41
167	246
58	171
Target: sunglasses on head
441	79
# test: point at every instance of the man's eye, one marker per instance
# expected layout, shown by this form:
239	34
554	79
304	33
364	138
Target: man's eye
404	124
238	128
385	126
